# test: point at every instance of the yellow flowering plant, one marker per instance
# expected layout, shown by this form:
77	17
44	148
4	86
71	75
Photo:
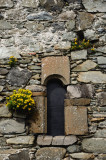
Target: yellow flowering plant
12	61
77	45
21	101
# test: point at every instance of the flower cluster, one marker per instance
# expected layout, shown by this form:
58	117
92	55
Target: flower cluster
21	102
76	45
93	49
12	61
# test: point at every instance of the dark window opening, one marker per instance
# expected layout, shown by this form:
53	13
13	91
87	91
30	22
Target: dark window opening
55	107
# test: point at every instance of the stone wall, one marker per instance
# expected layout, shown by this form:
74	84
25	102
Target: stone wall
34	29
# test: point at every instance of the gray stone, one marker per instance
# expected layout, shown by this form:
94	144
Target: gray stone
34	26
70	36
85	20
34	67
1	98
70	25
101	98
36	88
25	140
82	155
58	26
6	4
100	133
36	47
101	49
92	76
85	66
96	145
52	5
6	52
76	55
94	6
3	71
62	46
2	141
102	66
69	140
101	60
1	88
90	34
20	155
18	77
11	126
44	140
50	153
4	112
36	77
102	124
73	148
34	82
67	15
58	140
99	114
77	91
40	16
30	3
5	25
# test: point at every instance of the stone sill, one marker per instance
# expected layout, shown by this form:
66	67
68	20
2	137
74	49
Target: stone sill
45	140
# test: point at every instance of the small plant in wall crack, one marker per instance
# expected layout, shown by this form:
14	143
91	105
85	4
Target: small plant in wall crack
77	45
21	102
12	61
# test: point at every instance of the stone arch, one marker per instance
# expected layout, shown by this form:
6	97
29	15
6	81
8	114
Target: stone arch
56	67
55	76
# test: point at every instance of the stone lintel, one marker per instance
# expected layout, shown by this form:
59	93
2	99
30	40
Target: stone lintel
56	67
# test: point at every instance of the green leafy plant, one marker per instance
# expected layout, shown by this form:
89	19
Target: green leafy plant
21	102
12	61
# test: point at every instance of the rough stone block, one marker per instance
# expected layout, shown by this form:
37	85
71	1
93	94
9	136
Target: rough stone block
44	140
52	5
84	20
10	126
101	60
30	3
50	153
37	123
101	98
85	66
77	102
76	55
69	140
18	77
96	145
40	16
94	6
56	67
92	76
100	133
6	52
21	140
4	112
58	140
76	120
78	91
4	25
6	4
82	155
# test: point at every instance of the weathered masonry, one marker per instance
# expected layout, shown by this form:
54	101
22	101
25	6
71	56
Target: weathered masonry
68	86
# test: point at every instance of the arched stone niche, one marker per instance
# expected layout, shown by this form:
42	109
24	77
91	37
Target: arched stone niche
56	67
